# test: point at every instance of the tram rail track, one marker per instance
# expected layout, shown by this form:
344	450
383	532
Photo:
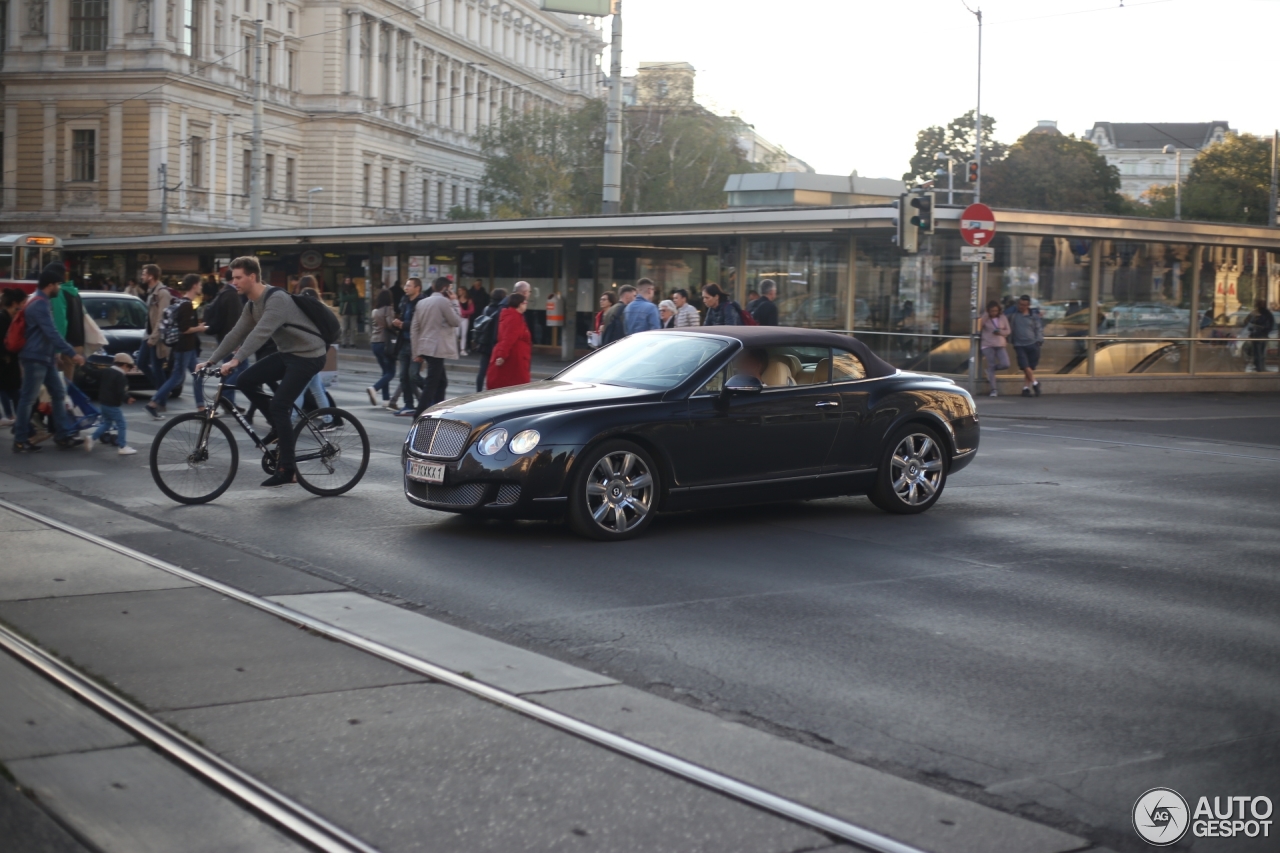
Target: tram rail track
312	827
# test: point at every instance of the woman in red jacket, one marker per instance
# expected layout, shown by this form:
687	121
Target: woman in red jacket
509	362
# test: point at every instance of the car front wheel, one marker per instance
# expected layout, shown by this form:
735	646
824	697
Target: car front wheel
913	471
615	493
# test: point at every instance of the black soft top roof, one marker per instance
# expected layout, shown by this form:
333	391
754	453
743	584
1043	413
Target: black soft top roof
788	336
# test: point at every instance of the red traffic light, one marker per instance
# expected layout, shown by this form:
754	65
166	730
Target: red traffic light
973	171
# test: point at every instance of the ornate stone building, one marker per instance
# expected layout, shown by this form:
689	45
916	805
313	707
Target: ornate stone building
371	110
1137	149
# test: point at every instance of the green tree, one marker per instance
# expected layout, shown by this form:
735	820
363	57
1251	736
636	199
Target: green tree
1050	171
678	159
956	140
544	162
1229	181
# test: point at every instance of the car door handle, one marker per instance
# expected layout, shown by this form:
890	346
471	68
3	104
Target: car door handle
825	403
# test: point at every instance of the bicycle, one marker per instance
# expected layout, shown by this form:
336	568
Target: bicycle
194	456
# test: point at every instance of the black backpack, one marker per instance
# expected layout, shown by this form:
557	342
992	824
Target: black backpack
330	329
616	328
485	329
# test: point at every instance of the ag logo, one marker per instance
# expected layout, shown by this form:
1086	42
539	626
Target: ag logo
1160	816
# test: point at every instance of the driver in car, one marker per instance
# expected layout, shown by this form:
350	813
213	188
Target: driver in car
755	362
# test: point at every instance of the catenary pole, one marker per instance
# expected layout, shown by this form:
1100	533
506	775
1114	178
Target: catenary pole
255	158
612	200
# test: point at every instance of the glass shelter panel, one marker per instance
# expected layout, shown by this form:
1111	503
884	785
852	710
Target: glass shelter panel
811	276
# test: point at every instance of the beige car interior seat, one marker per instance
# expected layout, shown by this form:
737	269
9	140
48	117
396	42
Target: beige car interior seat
777	375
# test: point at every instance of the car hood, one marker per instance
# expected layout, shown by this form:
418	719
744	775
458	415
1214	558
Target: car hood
546	396
123	340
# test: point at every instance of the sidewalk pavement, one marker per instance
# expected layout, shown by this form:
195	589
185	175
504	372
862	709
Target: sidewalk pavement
1131	407
404	762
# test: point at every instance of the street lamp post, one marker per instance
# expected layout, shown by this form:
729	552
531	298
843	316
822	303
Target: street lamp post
311	194
1177	180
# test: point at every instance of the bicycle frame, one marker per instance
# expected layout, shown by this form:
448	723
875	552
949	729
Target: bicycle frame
211	412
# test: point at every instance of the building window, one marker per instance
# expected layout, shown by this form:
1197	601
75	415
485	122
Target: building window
271	63
248	56
404	190
426	199
195	162
291	64
439	199
468	198
290	173
246	173
248	5
386	187
88	24
84	155
192	13
269	176
368	179
271	8
291	19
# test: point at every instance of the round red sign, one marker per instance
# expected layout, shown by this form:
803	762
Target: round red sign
977	225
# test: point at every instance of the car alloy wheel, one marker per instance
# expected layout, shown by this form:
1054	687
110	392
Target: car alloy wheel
913	472
616	492
916	469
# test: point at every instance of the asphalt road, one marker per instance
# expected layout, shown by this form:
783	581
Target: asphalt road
1090	611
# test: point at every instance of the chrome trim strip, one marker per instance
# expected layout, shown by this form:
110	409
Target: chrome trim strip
771	481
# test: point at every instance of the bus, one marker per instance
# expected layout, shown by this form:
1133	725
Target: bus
22	256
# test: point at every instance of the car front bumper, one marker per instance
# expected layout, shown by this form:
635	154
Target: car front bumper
531	485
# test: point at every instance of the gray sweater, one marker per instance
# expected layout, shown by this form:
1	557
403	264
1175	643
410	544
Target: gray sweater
272	317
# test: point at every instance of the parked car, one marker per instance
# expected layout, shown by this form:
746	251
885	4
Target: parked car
123	321
694	418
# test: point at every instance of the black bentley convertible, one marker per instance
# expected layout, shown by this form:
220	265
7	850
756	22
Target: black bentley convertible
693	418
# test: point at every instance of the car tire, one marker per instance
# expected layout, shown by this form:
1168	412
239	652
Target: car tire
908	481
614	493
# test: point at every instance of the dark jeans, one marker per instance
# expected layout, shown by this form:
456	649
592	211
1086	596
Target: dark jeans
290	375
482	371
388	368
1259	346
181	363
36	374
408	376
150	363
437	384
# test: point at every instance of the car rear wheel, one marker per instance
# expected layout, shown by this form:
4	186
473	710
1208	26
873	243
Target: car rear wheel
614	495
913	471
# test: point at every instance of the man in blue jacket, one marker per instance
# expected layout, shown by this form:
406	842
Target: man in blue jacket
641	314
38	370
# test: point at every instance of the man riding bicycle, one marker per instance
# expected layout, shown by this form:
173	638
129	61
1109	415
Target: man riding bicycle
301	355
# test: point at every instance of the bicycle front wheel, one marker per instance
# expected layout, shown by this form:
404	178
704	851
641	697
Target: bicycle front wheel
194	459
331	451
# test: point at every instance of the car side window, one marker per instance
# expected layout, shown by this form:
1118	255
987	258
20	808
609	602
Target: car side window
714	385
846	367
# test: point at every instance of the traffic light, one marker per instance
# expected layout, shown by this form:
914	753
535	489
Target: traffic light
908	236
923	217
973	171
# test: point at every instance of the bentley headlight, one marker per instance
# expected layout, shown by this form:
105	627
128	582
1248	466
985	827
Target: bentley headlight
492	442
525	441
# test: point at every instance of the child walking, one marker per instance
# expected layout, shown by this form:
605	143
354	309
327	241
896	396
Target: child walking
113	391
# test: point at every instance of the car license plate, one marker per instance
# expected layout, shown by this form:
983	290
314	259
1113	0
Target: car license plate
427	472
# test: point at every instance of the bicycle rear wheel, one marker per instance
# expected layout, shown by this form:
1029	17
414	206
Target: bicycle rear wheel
193	464
330	456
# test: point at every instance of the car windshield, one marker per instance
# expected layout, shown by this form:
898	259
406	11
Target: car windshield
115	313
654	361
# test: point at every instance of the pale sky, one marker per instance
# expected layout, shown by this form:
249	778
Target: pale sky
838	84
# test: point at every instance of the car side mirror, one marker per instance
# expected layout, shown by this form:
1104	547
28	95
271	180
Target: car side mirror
741	384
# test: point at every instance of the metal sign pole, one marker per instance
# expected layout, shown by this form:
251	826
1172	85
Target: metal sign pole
974	299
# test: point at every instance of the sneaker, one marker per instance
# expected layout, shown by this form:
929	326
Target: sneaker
994	394
88	444
154	412
26	447
68	443
279	478
405	413
373	395
1026	392
1036	388
4	422
126	451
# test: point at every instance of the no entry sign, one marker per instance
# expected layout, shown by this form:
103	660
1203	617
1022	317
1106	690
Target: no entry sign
978	225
